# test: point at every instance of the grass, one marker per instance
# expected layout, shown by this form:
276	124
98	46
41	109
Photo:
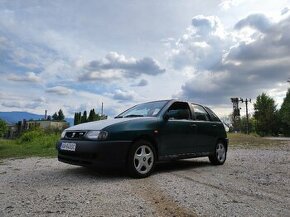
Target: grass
32	143
248	141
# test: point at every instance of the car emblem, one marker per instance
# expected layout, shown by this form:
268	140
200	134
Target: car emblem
73	135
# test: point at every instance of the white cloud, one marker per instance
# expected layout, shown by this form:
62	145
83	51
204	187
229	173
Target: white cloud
28	77
227	4
115	65
59	90
24	104
121	95
202	46
239	68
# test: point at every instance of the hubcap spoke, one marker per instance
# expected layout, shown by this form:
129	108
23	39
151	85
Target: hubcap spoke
220	152
143	159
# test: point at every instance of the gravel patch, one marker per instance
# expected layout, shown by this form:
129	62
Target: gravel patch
252	182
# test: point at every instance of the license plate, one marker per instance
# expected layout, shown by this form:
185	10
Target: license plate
68	146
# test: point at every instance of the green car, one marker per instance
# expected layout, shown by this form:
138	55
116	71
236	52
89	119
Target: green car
145	134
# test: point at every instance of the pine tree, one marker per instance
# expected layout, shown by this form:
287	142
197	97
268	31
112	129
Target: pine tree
84	117
55	117
266	115
75	118
60	115
285	114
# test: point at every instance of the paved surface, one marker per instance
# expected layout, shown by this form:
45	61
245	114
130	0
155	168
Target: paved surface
251	183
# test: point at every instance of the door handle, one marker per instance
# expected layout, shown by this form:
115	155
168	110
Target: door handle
214	125
193	125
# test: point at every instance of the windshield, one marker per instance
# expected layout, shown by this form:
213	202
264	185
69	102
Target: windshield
149	109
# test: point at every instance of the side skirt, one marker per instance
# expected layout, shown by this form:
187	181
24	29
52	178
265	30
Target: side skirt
183	156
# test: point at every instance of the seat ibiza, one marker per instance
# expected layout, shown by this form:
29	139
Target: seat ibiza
145	134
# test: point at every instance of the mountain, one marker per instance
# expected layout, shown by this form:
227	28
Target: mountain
14	117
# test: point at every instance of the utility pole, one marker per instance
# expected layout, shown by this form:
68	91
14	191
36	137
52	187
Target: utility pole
102	112
247	113
236	114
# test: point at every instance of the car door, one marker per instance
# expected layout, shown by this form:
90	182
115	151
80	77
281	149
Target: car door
205	135
177	134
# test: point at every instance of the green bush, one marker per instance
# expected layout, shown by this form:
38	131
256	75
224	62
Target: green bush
35	142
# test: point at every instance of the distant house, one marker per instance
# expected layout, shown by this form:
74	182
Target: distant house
46	124
16	129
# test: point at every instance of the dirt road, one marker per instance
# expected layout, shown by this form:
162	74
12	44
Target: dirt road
253	182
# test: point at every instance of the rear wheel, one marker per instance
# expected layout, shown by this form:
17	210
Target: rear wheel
220	154
141	160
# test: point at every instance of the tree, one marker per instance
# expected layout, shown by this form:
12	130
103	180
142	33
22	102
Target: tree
60	115
55	117
92	115
266	115
77	118
84	117
235	123
284	114
3	128
252	123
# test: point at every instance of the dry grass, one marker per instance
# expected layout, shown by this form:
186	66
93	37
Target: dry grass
248	141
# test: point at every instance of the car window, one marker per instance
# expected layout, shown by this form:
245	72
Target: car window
213	116
181	109
149	109
200	113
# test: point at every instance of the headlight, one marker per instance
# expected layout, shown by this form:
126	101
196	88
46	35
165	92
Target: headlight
97	135
62	134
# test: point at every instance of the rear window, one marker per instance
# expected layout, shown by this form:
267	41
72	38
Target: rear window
199	113
212	115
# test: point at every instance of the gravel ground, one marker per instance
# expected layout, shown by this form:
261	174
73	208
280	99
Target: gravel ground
252	182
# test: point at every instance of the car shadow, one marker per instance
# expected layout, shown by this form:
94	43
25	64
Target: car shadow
178	165
117	173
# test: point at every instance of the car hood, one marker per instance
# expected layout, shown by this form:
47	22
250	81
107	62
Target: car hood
99	125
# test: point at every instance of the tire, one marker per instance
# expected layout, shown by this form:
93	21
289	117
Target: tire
220	154
141	159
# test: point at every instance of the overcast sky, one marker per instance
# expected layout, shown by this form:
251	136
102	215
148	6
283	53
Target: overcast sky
75	55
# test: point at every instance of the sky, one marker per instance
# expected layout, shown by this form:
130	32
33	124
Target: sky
73	54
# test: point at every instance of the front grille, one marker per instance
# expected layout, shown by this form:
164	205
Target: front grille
75	134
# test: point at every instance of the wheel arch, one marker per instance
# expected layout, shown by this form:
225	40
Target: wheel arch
225	141
148	138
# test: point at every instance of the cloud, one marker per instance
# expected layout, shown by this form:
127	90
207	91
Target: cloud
256	21
227	4
116	66
21	104
202	45
141	83
242	68
285	11
122	95
28	77
59	90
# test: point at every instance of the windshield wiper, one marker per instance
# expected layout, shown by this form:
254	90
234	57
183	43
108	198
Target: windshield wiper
133	116
119	116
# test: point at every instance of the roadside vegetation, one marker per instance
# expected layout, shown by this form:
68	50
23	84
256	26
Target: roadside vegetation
266	120
36	142
241	140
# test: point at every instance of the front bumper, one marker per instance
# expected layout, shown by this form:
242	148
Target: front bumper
95	153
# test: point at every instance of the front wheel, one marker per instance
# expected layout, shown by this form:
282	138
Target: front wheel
141	159
220	154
